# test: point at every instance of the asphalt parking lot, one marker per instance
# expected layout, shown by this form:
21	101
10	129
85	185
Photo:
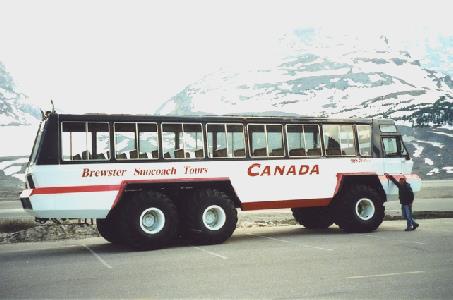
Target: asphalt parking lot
268	262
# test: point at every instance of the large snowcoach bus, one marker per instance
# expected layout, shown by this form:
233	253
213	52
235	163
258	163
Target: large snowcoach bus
149	179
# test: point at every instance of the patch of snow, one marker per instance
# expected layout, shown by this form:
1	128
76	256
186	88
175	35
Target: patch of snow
408	138
444	133
418	150
403	123
434	144
448	170
20	176
428	161
12	170
446	126
6	164
374	78
433	171
22	160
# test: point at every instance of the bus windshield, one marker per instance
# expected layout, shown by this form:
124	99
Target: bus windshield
36	144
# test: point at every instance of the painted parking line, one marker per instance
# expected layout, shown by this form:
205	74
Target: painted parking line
210	252
97	256
386	275
291	242
394	240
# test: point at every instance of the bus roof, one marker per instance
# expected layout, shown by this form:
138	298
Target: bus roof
214	118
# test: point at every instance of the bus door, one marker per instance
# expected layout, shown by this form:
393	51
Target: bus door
395	155
393	161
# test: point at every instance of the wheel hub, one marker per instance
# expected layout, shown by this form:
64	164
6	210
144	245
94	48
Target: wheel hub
152	220
365	209
214	217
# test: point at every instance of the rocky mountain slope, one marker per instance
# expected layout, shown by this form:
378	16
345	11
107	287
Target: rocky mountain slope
327	80
14	109
322	76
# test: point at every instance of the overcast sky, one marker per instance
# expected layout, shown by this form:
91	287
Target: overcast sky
130	56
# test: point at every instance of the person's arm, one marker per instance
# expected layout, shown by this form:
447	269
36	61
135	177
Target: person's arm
392	179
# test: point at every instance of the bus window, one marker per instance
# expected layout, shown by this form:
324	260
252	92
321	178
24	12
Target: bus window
312	140
98	139
332	139
387	128
347	140
225	140
73	140
172	140
193	141
295	140
217	140
85	141
364	135
257	140
148	142
125	141
236	141
390	145
275	140
339	139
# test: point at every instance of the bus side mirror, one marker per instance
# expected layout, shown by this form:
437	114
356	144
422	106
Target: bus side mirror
407	156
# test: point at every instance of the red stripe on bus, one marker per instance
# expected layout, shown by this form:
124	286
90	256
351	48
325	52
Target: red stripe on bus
285	204
106	188
74	189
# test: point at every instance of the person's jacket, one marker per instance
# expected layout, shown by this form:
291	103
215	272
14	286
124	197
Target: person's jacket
405	191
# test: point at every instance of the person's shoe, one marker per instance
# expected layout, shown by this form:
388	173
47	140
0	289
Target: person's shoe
415	226
409	229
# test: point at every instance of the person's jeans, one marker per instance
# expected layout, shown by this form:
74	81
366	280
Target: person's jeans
407	214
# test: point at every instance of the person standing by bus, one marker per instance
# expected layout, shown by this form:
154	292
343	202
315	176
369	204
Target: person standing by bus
406	196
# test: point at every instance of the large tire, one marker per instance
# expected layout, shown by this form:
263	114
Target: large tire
210	217
149	220
313	217
359	209
108	228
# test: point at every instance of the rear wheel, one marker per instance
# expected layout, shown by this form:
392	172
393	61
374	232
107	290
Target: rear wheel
359	209
313	217
149	220
210	217
108	228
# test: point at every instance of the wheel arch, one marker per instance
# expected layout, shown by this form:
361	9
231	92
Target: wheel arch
344	181
174	188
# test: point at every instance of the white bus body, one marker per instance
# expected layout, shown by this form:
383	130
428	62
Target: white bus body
87	188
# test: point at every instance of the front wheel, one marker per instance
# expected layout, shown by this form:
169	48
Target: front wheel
359	209
210	217
149	220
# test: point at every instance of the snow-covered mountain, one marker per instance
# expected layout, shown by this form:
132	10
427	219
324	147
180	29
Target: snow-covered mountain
337	79
14	110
